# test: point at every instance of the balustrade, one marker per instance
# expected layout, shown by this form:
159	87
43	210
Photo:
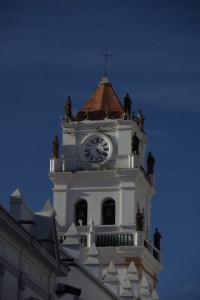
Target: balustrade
117	240
66	165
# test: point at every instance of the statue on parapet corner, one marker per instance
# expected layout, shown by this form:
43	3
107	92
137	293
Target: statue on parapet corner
127	107
157	237
135	144
139	221
150	164
140	120
133	116
68	108
55	148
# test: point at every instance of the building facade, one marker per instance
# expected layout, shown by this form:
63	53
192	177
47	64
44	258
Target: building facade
103	183
29	252
32	266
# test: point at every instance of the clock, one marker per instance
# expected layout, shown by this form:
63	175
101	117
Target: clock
97	148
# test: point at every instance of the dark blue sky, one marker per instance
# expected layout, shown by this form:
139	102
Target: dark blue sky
50	49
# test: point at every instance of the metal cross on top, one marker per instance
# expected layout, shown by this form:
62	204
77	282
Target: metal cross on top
106	55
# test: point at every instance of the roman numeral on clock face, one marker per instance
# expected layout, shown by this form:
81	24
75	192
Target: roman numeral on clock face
96	149
105	154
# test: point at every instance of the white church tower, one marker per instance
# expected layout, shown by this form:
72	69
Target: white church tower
103	185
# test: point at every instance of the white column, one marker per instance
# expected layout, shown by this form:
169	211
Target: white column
129	162
51	168
91	234
139	238
63	165
55	165
135	161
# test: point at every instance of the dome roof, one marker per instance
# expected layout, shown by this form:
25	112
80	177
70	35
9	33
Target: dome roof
103	103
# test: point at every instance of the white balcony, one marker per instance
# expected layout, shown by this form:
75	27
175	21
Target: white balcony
120	239
67	165
130	162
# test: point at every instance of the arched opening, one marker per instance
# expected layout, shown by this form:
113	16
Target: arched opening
108	212
81	213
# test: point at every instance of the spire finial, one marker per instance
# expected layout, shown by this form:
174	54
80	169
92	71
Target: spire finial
106	55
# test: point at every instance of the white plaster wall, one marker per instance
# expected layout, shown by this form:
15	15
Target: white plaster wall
94	199
69	148
28	293
94	190
127	206
10	286
143	202
142	148
60	205
126	195
38	278
119	131
89	289
124	142
9	250
125	199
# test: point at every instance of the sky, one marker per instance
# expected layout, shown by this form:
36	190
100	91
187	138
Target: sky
50	50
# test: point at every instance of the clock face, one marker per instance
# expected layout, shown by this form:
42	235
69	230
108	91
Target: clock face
97	148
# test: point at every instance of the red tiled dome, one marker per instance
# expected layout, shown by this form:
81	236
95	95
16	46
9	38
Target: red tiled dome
102	103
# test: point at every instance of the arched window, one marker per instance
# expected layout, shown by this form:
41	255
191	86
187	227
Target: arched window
81	213
108	212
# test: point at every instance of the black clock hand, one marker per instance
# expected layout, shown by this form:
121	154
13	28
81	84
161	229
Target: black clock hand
98	153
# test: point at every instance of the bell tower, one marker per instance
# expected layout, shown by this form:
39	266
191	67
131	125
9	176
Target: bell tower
104	174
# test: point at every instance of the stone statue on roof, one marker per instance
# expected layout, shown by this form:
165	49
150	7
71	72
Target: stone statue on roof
127	106
135	144
139	221
140	120
68	108
55	148
150	163
157	237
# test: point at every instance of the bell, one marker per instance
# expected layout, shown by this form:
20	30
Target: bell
81	214
108	212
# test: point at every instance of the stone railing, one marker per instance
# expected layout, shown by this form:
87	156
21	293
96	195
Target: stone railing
130	162
66	165
115	240
157	254
120	240
112	240
88	166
